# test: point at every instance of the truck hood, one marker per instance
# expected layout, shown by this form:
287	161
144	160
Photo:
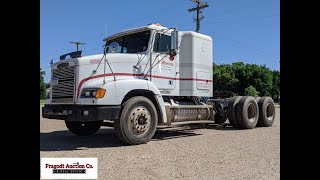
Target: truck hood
122	66
111	58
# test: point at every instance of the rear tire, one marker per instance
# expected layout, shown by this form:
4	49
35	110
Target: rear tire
83	128
257	99
138	121
247	112
231	112
267	112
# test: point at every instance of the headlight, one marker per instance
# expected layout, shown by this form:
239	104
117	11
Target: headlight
93	93
87	93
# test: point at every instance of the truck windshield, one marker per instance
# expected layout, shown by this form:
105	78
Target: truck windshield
132	43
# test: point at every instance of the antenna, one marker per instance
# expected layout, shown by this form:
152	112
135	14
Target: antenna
106	30
77	43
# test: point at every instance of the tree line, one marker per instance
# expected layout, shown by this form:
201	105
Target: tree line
42	85
247	79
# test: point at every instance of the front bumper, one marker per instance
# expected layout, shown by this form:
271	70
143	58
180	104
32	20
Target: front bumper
81	113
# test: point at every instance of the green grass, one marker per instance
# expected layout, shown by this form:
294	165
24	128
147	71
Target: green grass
42	101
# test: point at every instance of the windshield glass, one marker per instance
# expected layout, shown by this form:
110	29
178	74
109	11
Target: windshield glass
131	43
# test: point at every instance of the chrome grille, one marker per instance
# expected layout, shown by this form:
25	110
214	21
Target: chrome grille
64	91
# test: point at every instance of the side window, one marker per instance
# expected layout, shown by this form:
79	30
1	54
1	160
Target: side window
162	43
119	41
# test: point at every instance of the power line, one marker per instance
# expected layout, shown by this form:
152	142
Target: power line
224	21
164	10
200	5
241	45
230	11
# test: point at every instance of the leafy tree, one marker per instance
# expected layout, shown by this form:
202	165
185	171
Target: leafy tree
259	77
275	92
42	85
251	91
238	76
224	78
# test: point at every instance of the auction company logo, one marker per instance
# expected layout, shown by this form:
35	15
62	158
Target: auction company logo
69	168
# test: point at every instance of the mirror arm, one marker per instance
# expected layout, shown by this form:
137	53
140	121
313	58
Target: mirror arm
172	52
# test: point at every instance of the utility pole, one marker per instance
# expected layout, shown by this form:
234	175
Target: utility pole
200	5
77	43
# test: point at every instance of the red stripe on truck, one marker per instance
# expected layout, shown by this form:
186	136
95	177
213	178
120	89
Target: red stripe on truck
128	74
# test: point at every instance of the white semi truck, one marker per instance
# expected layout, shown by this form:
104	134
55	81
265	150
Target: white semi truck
146	77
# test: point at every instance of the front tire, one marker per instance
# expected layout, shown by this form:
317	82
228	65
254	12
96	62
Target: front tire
138	121
83	128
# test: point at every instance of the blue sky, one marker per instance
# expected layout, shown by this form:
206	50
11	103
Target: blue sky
242	30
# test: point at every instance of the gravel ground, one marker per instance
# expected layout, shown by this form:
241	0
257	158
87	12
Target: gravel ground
193	151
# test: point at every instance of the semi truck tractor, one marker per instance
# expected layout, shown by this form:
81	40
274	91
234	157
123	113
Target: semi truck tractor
146	77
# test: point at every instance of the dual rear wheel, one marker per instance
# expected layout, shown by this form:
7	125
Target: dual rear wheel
247	112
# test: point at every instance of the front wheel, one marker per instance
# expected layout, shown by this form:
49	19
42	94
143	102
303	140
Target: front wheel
83	128
138	121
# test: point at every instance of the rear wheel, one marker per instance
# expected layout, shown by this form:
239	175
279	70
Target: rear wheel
257	99
267	112
247	112
138	121
231	112
83	128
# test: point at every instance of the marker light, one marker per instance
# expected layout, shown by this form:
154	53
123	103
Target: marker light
100	93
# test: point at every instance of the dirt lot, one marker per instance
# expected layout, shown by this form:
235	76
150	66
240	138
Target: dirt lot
185	152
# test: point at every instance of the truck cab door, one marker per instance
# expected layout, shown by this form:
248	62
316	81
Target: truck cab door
164	70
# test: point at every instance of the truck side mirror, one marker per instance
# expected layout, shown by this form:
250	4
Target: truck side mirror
174	40
112	48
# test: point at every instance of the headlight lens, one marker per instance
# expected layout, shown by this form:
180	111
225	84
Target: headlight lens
87	93
93	93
